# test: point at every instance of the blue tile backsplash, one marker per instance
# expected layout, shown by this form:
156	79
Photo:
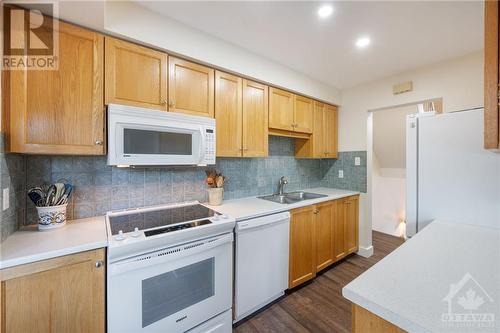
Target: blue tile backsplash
100	188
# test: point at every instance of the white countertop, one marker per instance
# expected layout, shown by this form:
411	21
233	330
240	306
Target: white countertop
408	287
250	207
29	245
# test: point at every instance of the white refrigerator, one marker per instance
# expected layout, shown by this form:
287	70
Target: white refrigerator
450	177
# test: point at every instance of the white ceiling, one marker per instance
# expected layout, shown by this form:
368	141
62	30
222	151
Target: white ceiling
404	34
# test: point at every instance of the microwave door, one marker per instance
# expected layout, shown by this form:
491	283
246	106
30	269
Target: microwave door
151	145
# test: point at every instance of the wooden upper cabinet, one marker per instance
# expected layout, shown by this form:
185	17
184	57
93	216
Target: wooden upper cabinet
318	137
255	119
302	261
190	88
64	294
228	114
351	207
491	75
135	75
330	120
60	111
303	114
281	109
325	214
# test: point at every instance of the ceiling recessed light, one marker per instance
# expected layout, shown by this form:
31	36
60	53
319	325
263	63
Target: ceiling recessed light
325	11
363	42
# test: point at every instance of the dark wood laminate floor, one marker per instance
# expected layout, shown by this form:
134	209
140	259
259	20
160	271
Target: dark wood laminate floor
318	306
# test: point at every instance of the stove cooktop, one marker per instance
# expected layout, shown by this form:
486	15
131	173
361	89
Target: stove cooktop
159	218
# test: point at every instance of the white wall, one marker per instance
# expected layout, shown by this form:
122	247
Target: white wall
459	82
170	35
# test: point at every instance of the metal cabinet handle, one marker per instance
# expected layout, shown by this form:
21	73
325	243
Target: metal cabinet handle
98	264
98	142
171	102
316	211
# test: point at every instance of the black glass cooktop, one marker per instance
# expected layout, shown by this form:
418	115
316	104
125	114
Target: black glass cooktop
158	218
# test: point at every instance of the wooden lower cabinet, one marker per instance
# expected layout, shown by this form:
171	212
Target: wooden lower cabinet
365	321
324	220
346	227
64	294
302	261
321	235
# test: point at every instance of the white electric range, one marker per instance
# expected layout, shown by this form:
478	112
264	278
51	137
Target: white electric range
169	269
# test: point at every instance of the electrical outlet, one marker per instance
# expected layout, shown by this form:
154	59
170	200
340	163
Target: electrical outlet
341	173
357	160
6	202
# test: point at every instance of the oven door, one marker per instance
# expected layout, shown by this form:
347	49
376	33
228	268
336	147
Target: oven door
171	290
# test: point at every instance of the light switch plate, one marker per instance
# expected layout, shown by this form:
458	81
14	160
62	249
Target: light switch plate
5	203
341	173
357	160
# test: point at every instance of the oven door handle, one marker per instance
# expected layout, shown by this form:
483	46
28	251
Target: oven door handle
168	255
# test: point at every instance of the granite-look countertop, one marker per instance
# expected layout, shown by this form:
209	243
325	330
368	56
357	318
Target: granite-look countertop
250	207
29	245
432	276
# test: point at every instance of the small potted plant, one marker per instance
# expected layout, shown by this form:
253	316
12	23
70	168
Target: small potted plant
215	182
51	202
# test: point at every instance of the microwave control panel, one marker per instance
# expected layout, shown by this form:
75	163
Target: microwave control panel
210	146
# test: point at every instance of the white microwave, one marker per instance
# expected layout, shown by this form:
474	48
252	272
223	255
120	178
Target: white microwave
138	136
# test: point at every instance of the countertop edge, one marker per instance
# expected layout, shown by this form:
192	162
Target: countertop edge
382	312
53	254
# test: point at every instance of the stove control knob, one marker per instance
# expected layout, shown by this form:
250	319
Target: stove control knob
216	217
225	216
120	236
136	232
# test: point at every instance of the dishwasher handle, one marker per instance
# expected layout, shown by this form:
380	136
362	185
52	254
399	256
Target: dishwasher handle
262	222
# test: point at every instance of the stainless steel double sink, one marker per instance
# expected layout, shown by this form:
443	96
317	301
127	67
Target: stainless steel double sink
292	197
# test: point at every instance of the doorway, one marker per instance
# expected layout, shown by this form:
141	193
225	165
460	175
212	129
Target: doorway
388	168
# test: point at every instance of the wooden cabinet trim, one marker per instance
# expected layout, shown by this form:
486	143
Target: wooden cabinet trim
365	321
491	75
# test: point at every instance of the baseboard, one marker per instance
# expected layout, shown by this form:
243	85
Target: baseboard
365	251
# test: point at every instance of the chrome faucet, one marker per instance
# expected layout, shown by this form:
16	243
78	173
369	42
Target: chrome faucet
282	184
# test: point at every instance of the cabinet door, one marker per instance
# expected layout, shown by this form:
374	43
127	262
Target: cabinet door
255	119
228	114
324	219
339	230
302	262
190	88
64	294
60	111
303	114
491	75
330	131
351	224
280	109
318	136
135	75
